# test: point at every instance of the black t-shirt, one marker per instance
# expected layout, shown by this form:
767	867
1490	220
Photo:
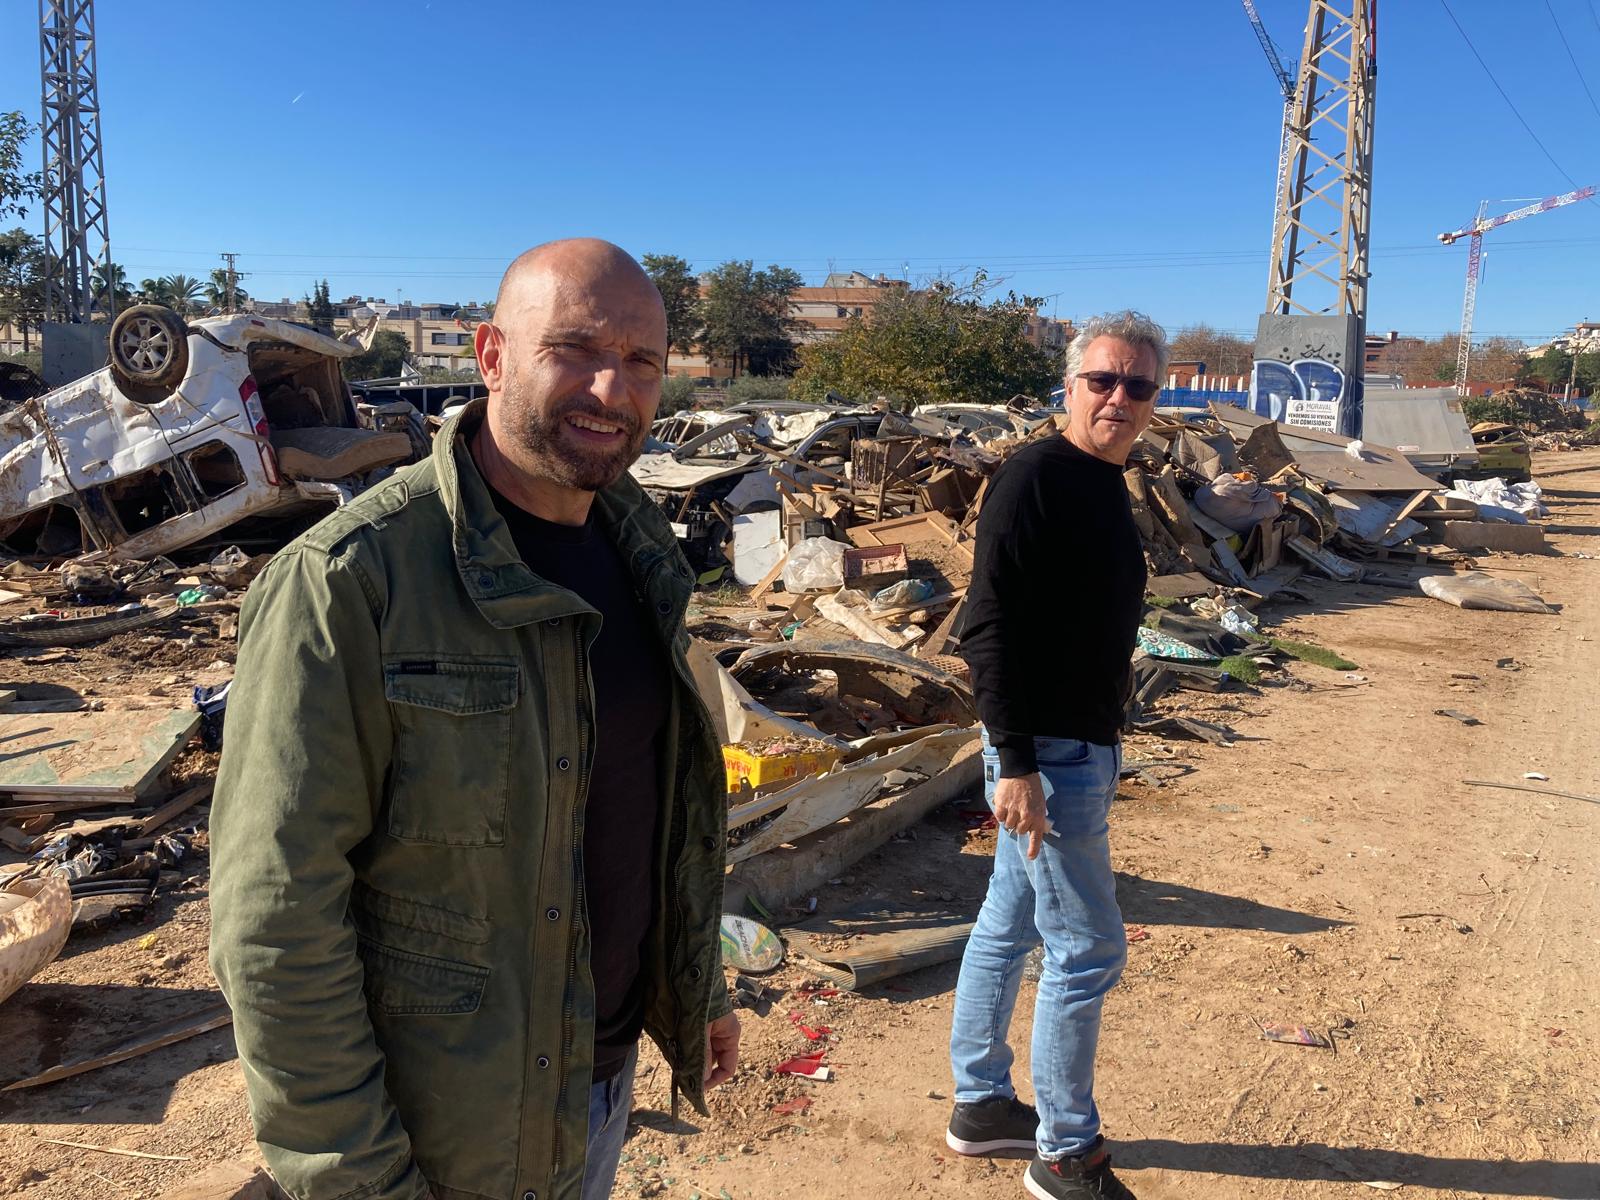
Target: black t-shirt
1053	609
622	812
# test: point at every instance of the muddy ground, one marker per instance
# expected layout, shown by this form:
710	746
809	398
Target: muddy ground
1330	869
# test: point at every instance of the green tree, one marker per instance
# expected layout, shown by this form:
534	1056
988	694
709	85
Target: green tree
320	313
1548	370
677	394
1588	376
941	344
382	360
182	292
753	389
217	290
680	294
109	279
746	319
154	291
22	289
16	185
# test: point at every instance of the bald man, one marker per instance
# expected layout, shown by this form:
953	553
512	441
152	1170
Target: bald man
467	842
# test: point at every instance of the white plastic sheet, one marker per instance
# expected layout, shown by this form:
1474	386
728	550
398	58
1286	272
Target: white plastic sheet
1498	500
815	565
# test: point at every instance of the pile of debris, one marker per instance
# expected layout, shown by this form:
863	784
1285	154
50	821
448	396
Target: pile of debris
835	550
854	564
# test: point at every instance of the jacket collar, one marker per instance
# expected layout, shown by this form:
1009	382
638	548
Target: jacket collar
505	589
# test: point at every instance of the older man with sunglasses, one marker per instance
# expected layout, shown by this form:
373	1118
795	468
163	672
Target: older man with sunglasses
1053	609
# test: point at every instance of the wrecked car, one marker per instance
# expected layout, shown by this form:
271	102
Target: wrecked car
189	429
1502	451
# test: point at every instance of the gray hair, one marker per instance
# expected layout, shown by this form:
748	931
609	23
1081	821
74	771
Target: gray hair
1127	326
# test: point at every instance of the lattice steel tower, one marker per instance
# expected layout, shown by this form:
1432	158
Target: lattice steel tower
1321	235
77	238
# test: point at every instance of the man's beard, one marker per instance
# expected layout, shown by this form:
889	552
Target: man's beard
541	433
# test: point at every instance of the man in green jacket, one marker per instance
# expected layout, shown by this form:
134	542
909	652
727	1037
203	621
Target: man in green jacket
469	826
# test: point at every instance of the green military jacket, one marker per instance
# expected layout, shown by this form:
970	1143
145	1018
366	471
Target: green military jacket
396	846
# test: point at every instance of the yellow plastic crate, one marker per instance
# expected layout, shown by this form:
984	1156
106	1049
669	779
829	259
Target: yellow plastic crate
749	771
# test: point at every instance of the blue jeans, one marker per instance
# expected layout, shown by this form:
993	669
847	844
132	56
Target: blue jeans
609	1104
1066	898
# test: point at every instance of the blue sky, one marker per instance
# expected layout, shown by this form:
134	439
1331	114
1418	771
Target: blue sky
1101	155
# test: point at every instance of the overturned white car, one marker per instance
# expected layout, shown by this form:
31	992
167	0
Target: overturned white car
190	429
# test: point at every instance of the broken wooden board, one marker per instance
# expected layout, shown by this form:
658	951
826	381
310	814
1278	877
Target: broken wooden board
1406	509
877	940
215	1017
227	1181
140	826
115	756
1324	560
819	801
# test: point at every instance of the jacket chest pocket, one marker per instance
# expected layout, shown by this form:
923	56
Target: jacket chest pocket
450	777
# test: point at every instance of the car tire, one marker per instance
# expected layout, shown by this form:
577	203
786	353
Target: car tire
149	348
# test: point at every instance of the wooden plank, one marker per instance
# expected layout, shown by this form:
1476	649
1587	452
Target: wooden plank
796	462
215	1017
227	1181
141	827
181	803
50	808
115	755
764	585
1406	509
931	602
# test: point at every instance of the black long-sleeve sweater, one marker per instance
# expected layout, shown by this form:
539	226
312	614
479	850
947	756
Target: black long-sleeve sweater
1054	604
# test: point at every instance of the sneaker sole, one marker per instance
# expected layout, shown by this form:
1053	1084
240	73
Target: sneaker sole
1035	1189
978	1149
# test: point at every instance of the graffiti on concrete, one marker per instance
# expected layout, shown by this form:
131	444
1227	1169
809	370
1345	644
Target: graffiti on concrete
1300	376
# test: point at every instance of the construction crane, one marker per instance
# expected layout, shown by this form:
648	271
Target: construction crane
1287	88
1475	231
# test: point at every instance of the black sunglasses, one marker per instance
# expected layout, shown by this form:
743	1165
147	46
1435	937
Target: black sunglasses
1103	383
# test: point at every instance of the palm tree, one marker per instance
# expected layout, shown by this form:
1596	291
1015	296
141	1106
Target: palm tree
183	291
111	281
217	290
154	291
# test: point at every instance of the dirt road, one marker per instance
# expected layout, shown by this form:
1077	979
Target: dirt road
1330	869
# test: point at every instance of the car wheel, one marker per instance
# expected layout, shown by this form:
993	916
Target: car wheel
149	347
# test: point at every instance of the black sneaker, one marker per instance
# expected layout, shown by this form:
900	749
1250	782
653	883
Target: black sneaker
998	1123
1087	1177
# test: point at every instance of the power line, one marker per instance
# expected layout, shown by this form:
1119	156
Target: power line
1560	33
1562	171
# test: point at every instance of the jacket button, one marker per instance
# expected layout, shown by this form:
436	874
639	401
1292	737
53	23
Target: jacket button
553	621
544	1063
563	763
663	607
552	914
695	973
709	843
530	1196
486	580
